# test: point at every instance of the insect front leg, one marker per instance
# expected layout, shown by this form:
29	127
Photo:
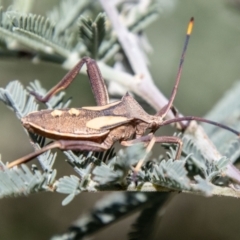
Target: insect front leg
162	139
174	140
96	80
151	140
79	145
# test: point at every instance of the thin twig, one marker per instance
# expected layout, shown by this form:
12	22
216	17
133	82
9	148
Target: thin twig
150	92
146	87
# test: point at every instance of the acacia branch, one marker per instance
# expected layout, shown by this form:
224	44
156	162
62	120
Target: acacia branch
149	92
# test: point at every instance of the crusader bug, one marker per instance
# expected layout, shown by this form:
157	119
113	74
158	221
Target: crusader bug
97	128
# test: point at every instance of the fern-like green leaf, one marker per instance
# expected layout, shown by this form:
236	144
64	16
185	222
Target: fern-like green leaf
68	185
65	13
17	99
92	33
19	181
35	32
116	170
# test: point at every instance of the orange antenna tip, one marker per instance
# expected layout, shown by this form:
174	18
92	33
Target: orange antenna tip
190	26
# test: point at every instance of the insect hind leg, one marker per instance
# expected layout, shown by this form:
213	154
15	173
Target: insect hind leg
63	145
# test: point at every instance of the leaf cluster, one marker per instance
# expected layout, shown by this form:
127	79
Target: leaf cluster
69	28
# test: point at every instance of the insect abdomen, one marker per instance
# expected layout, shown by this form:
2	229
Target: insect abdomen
62	124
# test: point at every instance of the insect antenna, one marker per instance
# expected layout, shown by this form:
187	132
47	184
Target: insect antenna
199	119
163	112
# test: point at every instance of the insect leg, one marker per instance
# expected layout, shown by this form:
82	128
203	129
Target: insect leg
174	140
151	140
162	139
63	145
96	80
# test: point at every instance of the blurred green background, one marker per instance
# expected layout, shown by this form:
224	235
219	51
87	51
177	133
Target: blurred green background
212	66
